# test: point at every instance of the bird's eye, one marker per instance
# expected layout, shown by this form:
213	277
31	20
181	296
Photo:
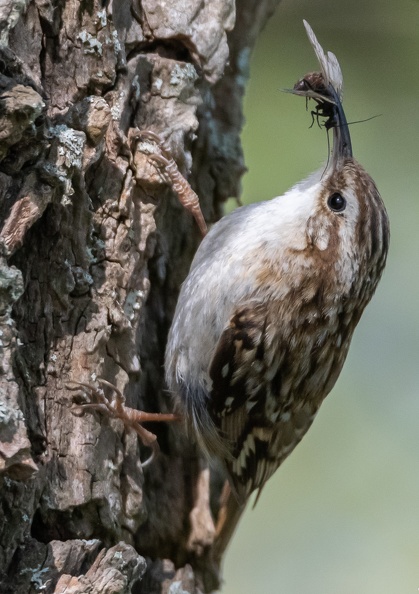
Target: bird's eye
336	202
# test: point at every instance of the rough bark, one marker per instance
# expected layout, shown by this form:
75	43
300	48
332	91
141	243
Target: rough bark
93	248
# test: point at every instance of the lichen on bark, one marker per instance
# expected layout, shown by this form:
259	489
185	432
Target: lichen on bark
93	248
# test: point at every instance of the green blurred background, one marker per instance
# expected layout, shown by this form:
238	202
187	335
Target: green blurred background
342	514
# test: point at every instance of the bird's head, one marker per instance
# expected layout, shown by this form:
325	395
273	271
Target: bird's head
347	228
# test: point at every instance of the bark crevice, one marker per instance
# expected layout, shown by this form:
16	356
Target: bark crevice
93	248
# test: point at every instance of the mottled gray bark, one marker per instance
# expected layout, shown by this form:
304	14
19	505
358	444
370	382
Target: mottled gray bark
93	248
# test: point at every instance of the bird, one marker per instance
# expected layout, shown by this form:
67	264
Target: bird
265	317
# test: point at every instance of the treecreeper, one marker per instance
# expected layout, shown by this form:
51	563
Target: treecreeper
266	315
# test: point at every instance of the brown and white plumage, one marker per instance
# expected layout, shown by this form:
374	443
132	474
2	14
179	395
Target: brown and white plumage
266	315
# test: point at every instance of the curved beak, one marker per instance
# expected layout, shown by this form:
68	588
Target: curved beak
342	145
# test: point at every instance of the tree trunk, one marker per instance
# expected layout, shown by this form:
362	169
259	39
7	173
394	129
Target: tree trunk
93	247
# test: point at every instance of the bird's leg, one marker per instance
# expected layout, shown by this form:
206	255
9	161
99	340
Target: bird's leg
164	159
115	408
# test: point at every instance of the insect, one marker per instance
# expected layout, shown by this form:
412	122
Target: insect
313	84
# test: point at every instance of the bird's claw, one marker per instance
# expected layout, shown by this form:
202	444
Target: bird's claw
115	408
164	159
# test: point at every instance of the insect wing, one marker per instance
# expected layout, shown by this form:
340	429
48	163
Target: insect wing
329	64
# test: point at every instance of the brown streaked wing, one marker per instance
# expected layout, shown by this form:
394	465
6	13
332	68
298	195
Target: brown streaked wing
238	359
238	373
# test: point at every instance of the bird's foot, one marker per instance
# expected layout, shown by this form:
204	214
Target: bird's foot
114	408
164	159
